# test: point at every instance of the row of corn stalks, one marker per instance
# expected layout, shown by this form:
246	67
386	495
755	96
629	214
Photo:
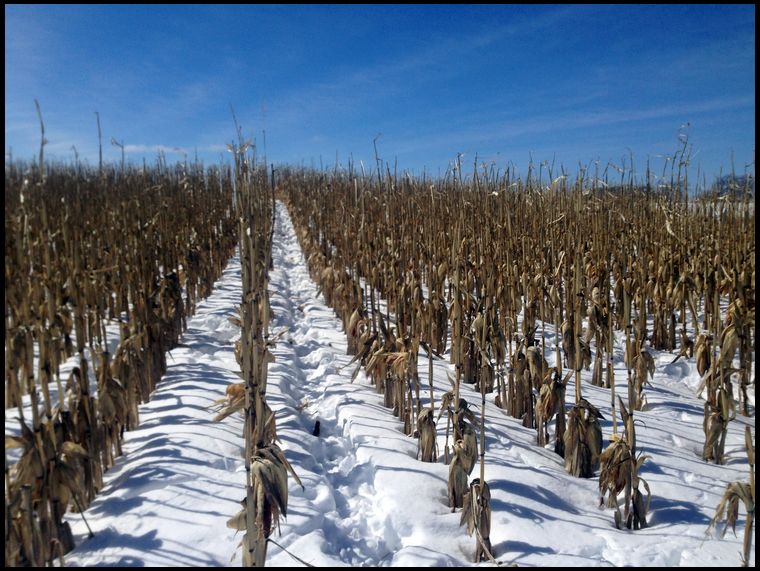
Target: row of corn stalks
478	266
266	466
84	248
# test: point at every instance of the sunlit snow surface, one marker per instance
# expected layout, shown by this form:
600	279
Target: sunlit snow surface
367	500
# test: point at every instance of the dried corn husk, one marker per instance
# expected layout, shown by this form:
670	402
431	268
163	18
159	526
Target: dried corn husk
477	515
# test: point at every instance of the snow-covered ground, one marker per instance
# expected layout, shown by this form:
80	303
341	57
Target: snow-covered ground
367	500
167	499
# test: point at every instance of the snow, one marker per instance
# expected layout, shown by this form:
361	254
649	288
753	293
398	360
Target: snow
366	499
167	499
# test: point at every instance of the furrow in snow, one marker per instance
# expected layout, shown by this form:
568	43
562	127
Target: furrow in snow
340	517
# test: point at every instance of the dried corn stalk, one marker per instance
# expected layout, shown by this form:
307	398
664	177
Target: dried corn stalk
620	473
427	433
583	440
735	493
477	515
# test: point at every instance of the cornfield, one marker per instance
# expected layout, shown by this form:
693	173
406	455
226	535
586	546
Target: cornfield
86	249
520	285
481	265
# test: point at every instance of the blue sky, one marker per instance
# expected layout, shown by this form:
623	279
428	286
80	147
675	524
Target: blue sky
570	84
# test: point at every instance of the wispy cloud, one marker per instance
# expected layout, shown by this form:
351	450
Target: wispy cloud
435	62
509	131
